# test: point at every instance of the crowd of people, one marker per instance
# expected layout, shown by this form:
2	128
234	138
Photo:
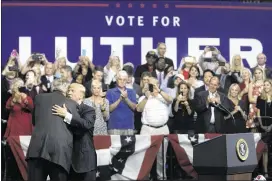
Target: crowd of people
208	95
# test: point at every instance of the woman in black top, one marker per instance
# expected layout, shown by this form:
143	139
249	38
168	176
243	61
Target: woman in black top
239	113
182	110
264	105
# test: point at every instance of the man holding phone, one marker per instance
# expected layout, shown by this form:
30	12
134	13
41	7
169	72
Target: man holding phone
211	59
155	114
225	77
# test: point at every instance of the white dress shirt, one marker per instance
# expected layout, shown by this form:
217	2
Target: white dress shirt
212	95
156	112
68	118
50	78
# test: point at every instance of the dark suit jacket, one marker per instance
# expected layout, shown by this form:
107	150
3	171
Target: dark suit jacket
204	112
5	95
44	82
268	71
139	71
228	81
51	139
84	155
202	88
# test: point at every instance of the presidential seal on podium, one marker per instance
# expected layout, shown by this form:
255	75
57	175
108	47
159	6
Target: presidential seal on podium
242	149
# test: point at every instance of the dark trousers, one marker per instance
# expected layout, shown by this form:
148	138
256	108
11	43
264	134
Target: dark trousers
87	176
39	169
211	129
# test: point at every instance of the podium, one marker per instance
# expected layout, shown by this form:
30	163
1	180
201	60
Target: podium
225	158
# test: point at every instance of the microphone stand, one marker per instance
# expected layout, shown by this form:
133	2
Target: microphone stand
220	106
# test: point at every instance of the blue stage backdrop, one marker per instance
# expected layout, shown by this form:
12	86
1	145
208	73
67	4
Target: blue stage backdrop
132	28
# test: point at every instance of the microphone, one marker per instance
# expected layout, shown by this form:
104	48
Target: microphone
220	106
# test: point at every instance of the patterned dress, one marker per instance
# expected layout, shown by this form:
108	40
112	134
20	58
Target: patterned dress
100	125
257	89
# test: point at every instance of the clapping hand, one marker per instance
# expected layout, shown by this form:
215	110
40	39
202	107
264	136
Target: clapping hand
103	104
156	88
124	94
59	111
17	97
237	108
145	88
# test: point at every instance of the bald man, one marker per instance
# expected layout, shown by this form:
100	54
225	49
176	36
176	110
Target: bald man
84	155
261	63
210	117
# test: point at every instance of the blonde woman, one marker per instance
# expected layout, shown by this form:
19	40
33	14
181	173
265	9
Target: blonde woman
84	67
59	64
244	85
101	106
239	113
254	91
20	106
236	67
236	64
111	69
264	105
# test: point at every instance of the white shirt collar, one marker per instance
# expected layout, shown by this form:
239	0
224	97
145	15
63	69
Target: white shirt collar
212	94
262	67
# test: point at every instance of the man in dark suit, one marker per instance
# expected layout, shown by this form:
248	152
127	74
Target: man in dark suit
48	77
51	145
226	78
98	74
161	49
207	75
208	105
84	155
151	57
261	59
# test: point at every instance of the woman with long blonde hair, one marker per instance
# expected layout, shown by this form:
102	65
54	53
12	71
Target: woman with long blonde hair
236	64
111	69
239	113
254	91
58	64
264	105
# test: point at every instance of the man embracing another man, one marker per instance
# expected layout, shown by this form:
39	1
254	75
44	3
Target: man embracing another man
62	136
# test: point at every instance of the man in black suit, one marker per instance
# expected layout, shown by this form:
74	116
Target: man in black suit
51	145
161	49
84	155
209	106
98	74
226	78
207	75
48	77
261	59
150	57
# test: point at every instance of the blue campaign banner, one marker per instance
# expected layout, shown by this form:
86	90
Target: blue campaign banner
130	29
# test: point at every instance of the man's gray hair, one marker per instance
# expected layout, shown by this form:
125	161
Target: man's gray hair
67	68
60	85
121	73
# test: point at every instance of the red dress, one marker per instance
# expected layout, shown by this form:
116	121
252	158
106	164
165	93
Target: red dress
20	118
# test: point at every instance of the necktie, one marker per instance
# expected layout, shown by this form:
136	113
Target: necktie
222	81
160	78
48	83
